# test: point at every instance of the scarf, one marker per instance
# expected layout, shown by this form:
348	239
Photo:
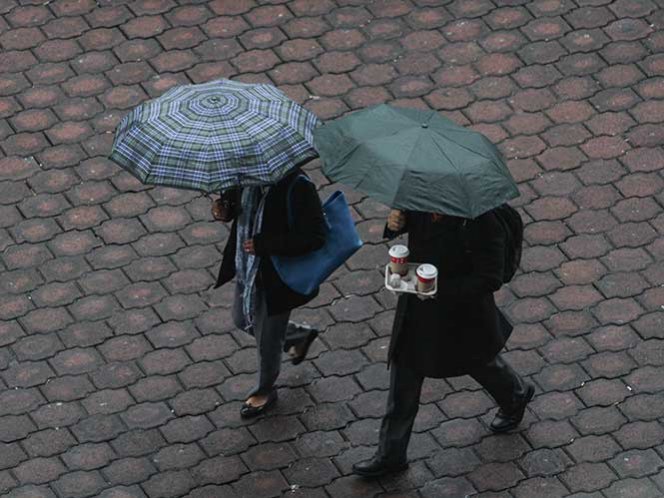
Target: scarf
250	221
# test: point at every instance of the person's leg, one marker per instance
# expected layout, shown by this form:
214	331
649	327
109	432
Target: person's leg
403	403
500	380
402	406
510	391
269	332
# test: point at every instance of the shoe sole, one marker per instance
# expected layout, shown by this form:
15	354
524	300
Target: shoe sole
529	396
372	475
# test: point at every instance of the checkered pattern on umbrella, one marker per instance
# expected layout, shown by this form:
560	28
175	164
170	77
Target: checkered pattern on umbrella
214	136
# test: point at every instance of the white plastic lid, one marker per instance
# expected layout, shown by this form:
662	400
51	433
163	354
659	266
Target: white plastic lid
427	271
399	251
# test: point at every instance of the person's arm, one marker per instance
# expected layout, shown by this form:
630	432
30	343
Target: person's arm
486	242
308	231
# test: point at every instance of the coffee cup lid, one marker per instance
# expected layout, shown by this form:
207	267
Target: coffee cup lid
399	251
427	271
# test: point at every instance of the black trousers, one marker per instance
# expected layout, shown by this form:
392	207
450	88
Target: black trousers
403	402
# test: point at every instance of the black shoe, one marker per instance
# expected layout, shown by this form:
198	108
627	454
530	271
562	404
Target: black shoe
303	347
508	420
250	411
376	467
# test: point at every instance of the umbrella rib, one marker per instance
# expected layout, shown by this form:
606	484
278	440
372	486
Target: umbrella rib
403	172
273	120
415	144
474	151
396	194
343	160
410	154
453	164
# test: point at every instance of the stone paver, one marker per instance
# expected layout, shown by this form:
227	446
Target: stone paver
120	372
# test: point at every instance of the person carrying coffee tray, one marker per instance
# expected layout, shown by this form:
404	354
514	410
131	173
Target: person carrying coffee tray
262	301
459	331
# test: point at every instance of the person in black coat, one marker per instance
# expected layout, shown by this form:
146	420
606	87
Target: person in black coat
459	331
273	299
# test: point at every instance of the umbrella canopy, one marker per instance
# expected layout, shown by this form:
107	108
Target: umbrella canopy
214	136
415	160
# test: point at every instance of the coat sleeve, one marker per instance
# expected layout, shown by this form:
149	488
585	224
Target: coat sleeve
485	243
308	231
227	269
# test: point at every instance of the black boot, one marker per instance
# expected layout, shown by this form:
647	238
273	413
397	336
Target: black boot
506	420
377	466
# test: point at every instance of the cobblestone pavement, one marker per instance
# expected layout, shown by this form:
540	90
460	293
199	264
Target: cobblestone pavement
121	373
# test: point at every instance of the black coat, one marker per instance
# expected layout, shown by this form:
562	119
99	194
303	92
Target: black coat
277	238
461	327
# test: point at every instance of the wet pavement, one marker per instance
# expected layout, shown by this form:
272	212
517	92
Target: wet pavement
120	370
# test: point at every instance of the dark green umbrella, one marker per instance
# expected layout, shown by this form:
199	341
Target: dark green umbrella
415	160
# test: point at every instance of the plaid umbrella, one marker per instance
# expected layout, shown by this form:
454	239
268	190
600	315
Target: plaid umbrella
214	136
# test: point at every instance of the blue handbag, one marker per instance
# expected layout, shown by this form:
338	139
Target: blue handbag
305	273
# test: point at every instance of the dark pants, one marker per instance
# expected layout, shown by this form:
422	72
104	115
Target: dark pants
403	402
273	333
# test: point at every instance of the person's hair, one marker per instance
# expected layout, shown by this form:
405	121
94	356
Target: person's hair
230	199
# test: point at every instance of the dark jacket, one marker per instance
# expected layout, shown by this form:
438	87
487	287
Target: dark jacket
461	328
276	237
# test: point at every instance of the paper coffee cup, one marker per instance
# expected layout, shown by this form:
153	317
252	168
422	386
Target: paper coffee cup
399	259
426	277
